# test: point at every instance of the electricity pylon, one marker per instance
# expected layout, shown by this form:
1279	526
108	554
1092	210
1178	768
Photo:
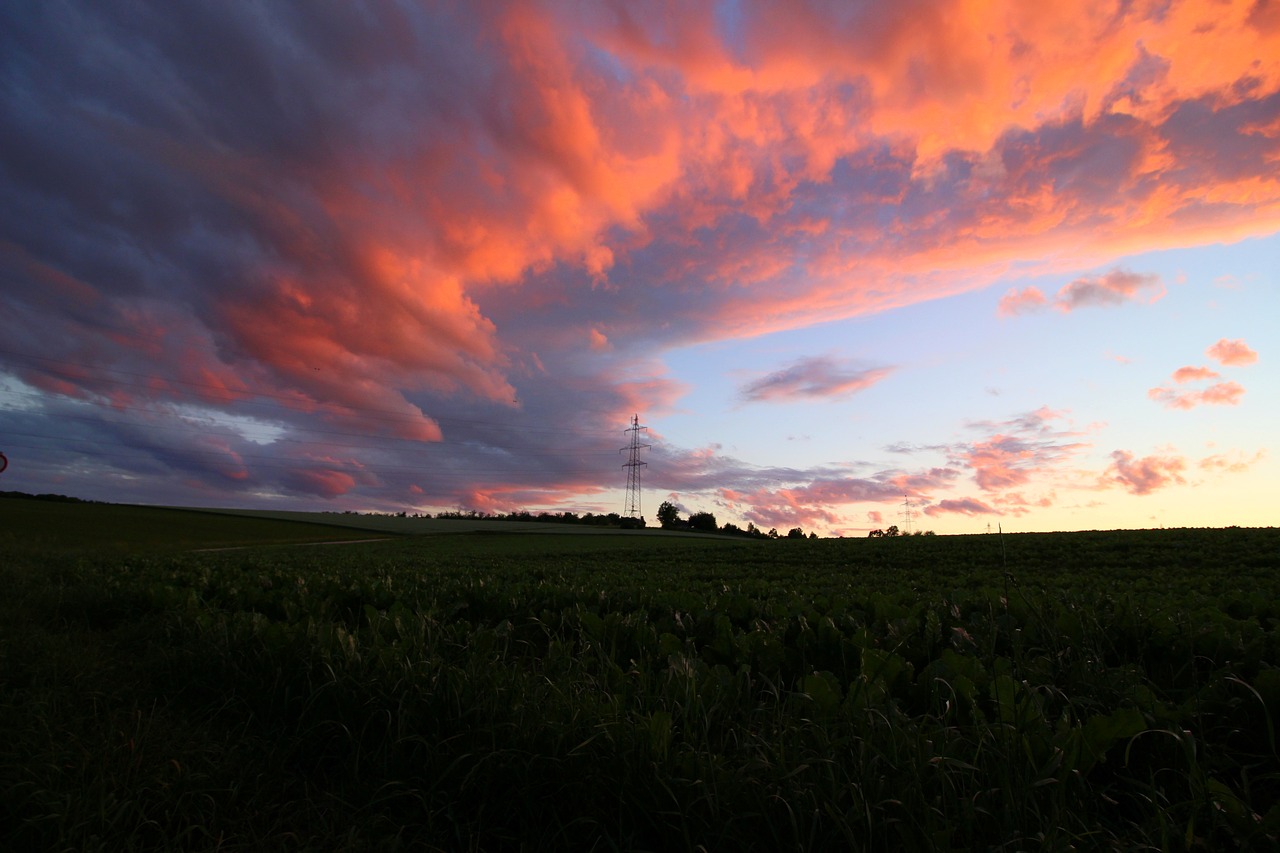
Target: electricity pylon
633	466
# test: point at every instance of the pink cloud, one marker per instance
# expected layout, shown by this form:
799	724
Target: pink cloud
1113	288
813	378
1232	353
961	506
784	514
321	482
456	192
1193	374
1234	463
1032	448
1031	451
1222	394
1025	301
1001	462
1143	476
1219	394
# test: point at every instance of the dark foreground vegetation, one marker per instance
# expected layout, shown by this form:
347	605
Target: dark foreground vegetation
495	692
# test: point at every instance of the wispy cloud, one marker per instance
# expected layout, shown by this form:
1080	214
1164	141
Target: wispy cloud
961	506
1020	450
1028	300
1146	475
1113	288
1109	289
1235	462
819	377
1218	394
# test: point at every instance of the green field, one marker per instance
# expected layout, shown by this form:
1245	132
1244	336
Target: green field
63	526
1111	690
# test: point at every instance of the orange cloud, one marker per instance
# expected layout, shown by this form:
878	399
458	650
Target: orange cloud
1025	301
1232	353
1033	449
389	225
1219	394
1234	463
1193	374
1143	476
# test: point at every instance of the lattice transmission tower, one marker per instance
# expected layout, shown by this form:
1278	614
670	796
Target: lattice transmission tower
633	466
908	514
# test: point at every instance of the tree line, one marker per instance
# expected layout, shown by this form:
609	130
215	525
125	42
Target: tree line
669	518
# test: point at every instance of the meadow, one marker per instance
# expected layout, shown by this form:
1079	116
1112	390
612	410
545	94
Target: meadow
501	691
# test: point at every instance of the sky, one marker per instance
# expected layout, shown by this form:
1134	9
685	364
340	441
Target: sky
953	266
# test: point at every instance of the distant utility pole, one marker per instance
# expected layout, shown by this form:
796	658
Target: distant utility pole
907	514
633	466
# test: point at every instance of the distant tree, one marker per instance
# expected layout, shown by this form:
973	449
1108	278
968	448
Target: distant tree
892	531
752	530
703	521
730	527
812	535
876	534
773	533
795	533
668	515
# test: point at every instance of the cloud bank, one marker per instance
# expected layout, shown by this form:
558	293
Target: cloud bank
372	244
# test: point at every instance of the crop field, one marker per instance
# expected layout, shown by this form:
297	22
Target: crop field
58	526
1087	691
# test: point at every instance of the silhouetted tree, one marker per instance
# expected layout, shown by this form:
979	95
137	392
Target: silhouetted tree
668	515
703	521
795	533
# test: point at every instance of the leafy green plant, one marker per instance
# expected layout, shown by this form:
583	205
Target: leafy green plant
1098	690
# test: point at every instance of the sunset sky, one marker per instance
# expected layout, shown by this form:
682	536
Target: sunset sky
1014	263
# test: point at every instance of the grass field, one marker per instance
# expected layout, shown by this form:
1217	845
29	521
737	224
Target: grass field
44	525
1113	691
